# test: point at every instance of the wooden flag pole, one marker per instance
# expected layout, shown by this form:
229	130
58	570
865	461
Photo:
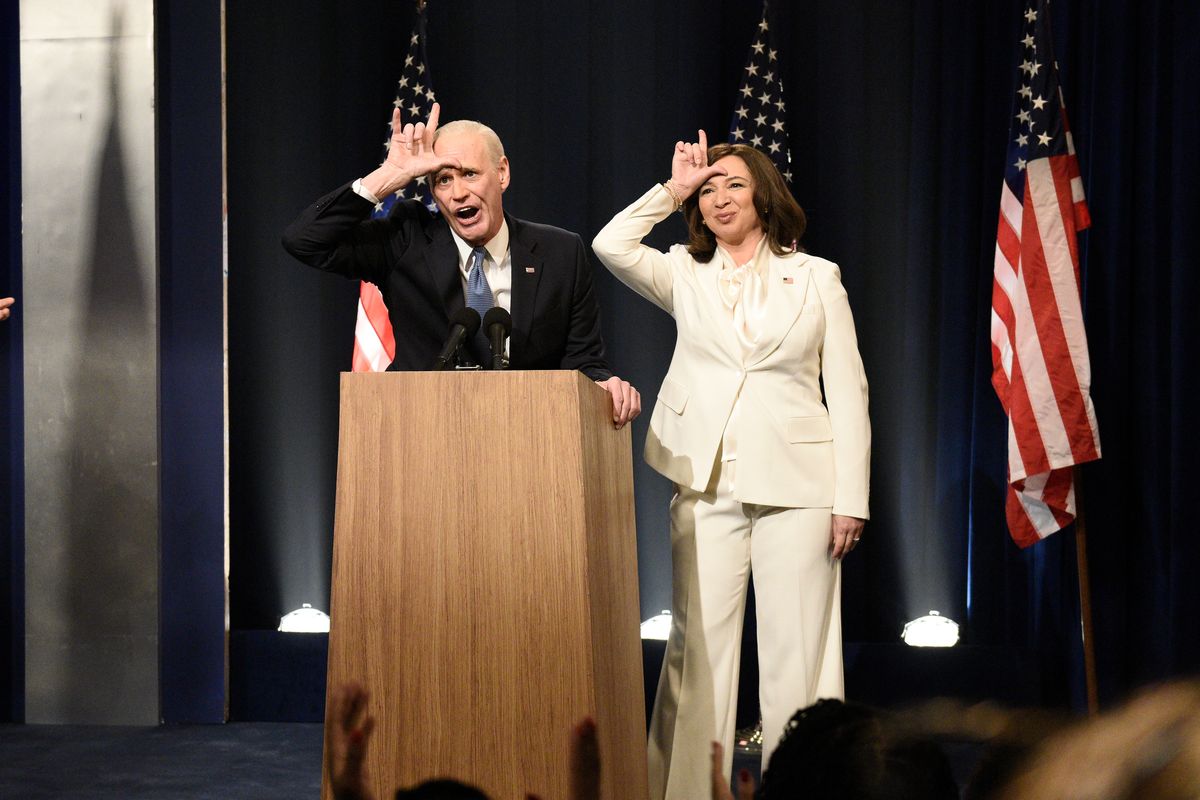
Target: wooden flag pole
1085	599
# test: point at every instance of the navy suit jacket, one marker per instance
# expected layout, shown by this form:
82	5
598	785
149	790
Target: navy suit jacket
412	258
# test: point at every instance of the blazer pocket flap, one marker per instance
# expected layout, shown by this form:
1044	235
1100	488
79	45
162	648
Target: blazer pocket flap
673	396
809	429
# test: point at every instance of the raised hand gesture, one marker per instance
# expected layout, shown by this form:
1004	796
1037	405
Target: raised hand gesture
410	155
720	786
689	166
347	732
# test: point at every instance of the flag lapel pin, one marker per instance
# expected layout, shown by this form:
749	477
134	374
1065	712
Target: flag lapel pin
788	279
530	270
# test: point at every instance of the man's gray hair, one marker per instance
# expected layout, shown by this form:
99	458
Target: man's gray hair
494	146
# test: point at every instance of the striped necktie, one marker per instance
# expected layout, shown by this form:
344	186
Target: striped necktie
479	297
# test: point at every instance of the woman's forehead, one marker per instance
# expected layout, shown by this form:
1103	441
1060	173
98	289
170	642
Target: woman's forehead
735	167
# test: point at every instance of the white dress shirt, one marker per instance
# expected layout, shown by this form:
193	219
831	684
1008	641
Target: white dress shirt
742	292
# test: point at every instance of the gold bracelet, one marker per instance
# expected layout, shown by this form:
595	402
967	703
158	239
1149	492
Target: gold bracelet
673	194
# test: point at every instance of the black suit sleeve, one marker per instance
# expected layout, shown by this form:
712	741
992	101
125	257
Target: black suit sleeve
585	346
336	234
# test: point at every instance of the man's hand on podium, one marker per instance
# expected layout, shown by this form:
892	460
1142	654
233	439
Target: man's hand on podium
627	401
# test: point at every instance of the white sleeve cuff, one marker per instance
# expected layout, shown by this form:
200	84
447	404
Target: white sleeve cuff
362	192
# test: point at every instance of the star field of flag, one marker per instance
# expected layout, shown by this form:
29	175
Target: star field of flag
1037	128
414	98
760	111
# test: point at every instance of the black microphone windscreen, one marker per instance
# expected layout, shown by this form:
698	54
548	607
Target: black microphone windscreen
497	315
468	318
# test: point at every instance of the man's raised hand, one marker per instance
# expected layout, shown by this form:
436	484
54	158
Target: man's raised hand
410	155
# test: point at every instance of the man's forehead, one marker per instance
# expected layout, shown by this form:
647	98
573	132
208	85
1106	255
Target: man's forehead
461	144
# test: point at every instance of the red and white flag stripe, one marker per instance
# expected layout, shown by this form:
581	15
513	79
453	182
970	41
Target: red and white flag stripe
1040	366
1039	350
374	344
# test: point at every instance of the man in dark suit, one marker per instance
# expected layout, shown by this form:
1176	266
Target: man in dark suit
428	266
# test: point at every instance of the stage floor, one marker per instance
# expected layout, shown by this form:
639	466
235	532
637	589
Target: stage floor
251	760
258	760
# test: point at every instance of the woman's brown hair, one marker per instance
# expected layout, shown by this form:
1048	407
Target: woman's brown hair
781	217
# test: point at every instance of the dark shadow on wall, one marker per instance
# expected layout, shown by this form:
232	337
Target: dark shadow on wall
110	452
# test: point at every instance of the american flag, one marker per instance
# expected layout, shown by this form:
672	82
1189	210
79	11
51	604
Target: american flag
1040	366
374	344
760	116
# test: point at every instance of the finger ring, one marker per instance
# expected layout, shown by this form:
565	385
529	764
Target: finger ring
856	538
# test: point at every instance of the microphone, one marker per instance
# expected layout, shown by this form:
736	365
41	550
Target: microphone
498	324
463	326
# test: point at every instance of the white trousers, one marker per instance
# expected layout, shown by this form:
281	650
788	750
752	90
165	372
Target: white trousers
716	542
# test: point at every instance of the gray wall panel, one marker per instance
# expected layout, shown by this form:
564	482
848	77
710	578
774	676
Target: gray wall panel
90	361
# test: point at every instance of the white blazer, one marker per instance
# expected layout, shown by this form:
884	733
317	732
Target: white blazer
793	450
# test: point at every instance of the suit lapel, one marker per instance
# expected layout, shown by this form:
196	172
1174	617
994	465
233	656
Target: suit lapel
786	289
527	268
441	259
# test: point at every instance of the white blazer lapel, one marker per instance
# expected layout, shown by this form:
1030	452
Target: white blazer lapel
786	289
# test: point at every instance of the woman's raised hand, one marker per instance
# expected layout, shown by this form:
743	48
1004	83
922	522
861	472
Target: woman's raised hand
689	166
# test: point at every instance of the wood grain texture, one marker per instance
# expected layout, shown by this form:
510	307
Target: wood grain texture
485	578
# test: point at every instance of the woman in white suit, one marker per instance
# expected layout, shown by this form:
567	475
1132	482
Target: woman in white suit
771	474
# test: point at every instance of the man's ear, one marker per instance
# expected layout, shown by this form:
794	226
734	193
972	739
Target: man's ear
505	174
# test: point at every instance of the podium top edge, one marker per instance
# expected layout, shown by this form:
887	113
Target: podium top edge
559	377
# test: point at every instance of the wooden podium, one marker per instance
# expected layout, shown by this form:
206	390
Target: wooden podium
485	580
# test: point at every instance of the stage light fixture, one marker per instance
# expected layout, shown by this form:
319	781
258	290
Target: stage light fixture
657	627
305	619
931	630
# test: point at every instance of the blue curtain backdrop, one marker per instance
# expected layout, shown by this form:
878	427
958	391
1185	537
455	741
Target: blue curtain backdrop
12	473
899	115
1134	69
